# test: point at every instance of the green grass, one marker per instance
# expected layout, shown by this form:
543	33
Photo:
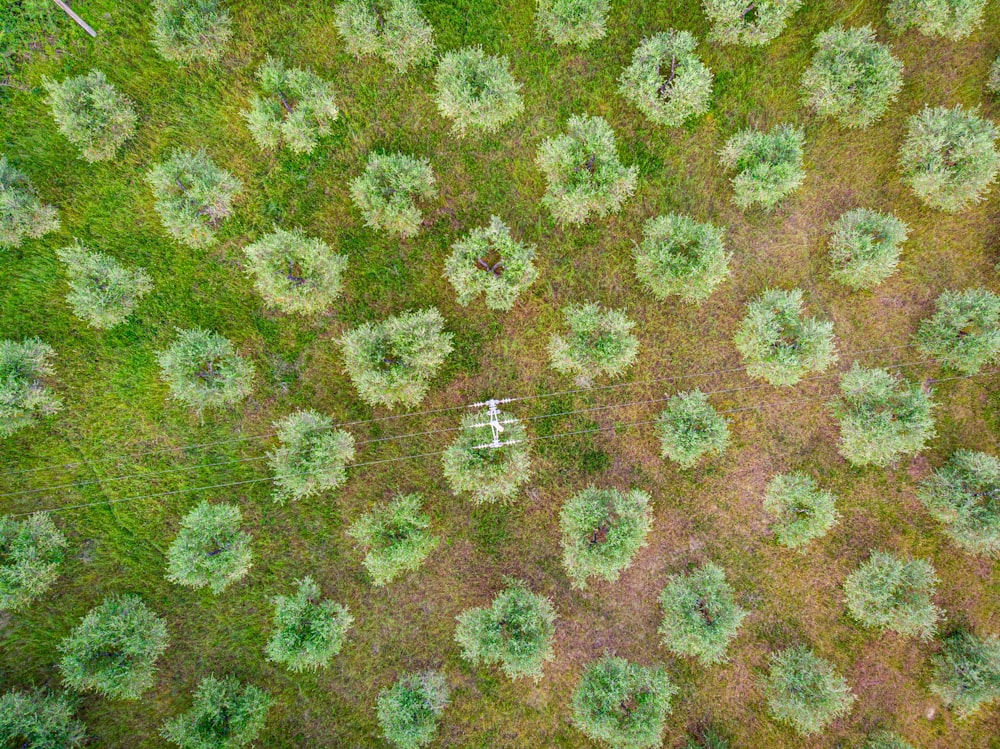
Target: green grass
115	403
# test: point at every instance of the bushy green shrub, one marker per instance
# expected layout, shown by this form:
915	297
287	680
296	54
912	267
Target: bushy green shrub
779	344
622	703
92	114
392	362
188	30
667	80
882	417
388	190
852	77
311	456
294	109
38	720
769	165
864	248
487	473
226	714
805	692
689	428
114	649
395	538
679	255
964	494
489	261
887	740
578	22
31	553
308	629
210	550
204	370
516	631
583	171
102	291
949	19
949	157
294	272
700	614
22	214
599	342
800	511
24	396
993	81
967	671
395	30
964	331
750	22
409	710
891	593
476	90
193	196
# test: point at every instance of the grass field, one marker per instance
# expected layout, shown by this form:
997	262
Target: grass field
116	406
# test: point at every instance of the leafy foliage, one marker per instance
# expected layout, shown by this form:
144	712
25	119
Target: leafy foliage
967	671
488	260
516	631
188	30
887	740
203	370
31	553
964	331
114	649
689	428
622	703
890	593
805	692
599	342
949	19
769	165
388	190
102	291
308	629
38	720
395	538
409	710
92	114
24	396
294	272
392	363
864	248
679	255
800	511
311	456
579	22
487	473
476	90
210	550
583	171
226	714
964	494
395	30
993	82
748	21
22	214
667	80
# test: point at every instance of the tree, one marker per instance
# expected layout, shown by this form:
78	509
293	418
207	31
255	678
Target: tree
578	22
779	344
22	214
864	248
949	157
185	31
964	494
395	538
599	342
689	428
294	272
476	90
311	457
622	703
471	464
203	370
748	21
226	714
583	171
39	720
193	196
102	291
409	710
700	614
679	255
489	261
388	190
602	530
967	671
31	553
294	109
852	77
964	331
91	114
882	417
667	80
24	396
800	511
769	165
895	594
395	30
949	19
308	629
114	649
516	631
210	550
805	692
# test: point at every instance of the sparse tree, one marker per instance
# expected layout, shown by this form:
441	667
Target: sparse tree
102	291
39	720
579	22
308	629
311	456
967	671
226	714
409	710
583	171
210	550
387	192
689	428
949	19
395	538
864	248
203	370
296	273
887	740
185	31
24	396
964	494
599	342
964	331
114	649
395	30
769	165
887	592
800	511
392	362
750	22
476	90
31	553
679	255
489	261
22	213
805	692
92	114
667	80
488	473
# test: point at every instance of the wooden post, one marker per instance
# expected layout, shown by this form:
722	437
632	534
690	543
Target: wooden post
80	22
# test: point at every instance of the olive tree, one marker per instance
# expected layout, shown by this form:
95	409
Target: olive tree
92	114
102	291
887	592
311	457
667	81
800	511
690	428
387	192
296	273
476	90
681	256
749	22
769	165
948	19
967	671
226	714
489	473
308	629
864	248
964	331
31	553
395	538
490	261
210	550
395	30
39	720
964	494
579	22
185	31
203	370
22	213
24	395
409	710
805	692
599	342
